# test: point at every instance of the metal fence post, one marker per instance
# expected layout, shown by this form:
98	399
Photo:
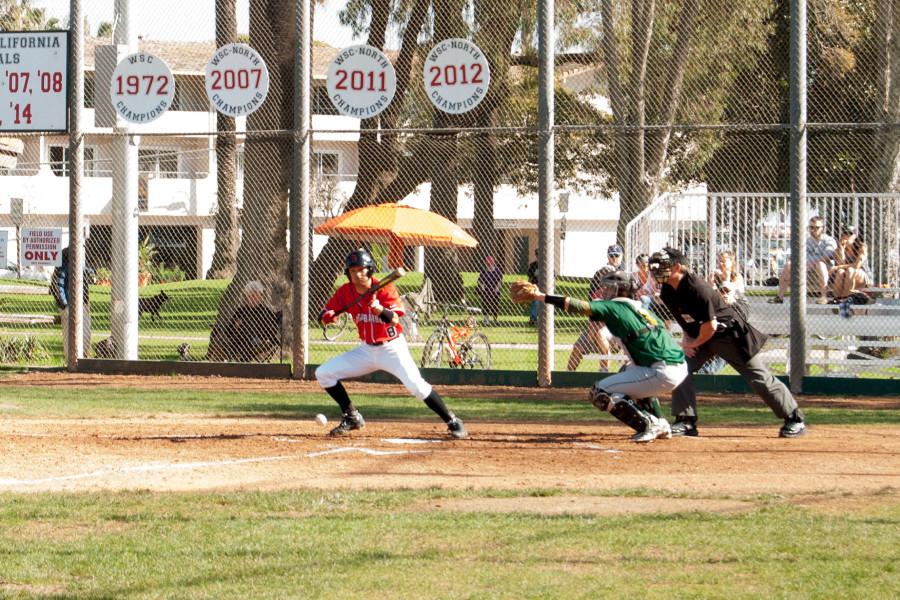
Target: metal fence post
300	218
798	194
547	272
76	168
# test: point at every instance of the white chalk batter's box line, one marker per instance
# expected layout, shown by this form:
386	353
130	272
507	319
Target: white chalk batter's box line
162	467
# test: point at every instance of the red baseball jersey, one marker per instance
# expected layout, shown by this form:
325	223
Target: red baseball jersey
370	327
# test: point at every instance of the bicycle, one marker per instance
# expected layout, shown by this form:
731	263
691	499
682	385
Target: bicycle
333	331
457	346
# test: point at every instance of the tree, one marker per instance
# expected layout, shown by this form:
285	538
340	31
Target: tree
223	262
668	63
263	253
105	30
20	15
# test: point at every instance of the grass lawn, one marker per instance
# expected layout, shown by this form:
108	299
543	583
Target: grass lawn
368	544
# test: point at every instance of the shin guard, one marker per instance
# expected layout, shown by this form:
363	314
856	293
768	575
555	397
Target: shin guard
650	406
625	410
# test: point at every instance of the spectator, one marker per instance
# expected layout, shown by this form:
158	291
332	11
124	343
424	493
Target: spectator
726	279
61	287
533	278
595	339
489	281
850	268
820	249
253	333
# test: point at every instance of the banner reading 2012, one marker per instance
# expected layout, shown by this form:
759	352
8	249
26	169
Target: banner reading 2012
456	76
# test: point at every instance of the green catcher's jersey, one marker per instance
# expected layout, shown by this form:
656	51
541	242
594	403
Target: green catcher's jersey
644	337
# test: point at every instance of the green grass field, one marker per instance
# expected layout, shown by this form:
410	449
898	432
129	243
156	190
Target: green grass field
306	543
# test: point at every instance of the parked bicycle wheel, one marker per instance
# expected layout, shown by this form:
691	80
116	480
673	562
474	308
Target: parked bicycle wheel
333	331
432	355
475	352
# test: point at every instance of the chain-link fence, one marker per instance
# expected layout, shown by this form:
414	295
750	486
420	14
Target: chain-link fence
671	128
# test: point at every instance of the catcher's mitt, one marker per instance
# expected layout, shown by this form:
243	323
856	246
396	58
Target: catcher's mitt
522	291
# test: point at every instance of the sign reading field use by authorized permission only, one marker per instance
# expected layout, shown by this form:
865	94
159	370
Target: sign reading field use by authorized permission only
457	76
237	80
142	88
34	81
361	81
41	247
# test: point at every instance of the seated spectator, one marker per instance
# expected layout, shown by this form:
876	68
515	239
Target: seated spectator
254	330
849	270
596	337
730	284
727	279
820	249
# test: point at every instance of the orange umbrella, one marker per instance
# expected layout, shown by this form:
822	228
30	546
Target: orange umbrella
399	226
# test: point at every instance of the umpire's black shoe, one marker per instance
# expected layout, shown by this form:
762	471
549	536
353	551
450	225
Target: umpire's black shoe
794	425
349	422
683	427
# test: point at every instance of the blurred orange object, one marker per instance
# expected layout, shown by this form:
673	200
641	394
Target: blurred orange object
398	226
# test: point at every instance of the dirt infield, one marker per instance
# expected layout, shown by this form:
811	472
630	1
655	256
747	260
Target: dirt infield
197	452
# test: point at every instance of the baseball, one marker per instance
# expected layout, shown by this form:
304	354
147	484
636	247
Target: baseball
321	419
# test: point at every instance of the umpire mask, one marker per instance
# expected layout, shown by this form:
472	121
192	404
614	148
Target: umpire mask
661	266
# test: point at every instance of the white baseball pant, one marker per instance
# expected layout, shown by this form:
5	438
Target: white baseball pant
392	356
637	382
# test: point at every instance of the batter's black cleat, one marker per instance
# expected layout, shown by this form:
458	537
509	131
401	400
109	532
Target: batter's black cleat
684	428
349	422
457	429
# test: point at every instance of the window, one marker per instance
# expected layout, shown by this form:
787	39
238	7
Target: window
59	162
325	163
158	163
321	103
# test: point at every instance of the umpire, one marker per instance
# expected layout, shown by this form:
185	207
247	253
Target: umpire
711	327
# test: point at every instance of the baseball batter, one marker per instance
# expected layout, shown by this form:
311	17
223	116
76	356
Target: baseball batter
657	363
377	317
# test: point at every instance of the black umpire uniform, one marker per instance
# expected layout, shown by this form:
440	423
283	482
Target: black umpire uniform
693	302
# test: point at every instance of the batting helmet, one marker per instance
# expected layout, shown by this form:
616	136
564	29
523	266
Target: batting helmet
623	284
359	258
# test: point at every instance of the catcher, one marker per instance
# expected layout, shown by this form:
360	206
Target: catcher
657	363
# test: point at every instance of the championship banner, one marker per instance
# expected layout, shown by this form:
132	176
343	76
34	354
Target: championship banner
456	76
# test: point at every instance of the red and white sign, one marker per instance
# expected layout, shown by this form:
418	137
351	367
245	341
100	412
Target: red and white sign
34	82
237	80
457	76
361	81
142	88
41	247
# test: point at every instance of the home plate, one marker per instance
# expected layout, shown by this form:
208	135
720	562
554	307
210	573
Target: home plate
368	451
601	448
410	441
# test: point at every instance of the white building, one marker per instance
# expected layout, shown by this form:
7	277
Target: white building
177	176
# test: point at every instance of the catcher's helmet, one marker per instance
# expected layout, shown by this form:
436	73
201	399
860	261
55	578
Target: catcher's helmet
359	258
620	281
